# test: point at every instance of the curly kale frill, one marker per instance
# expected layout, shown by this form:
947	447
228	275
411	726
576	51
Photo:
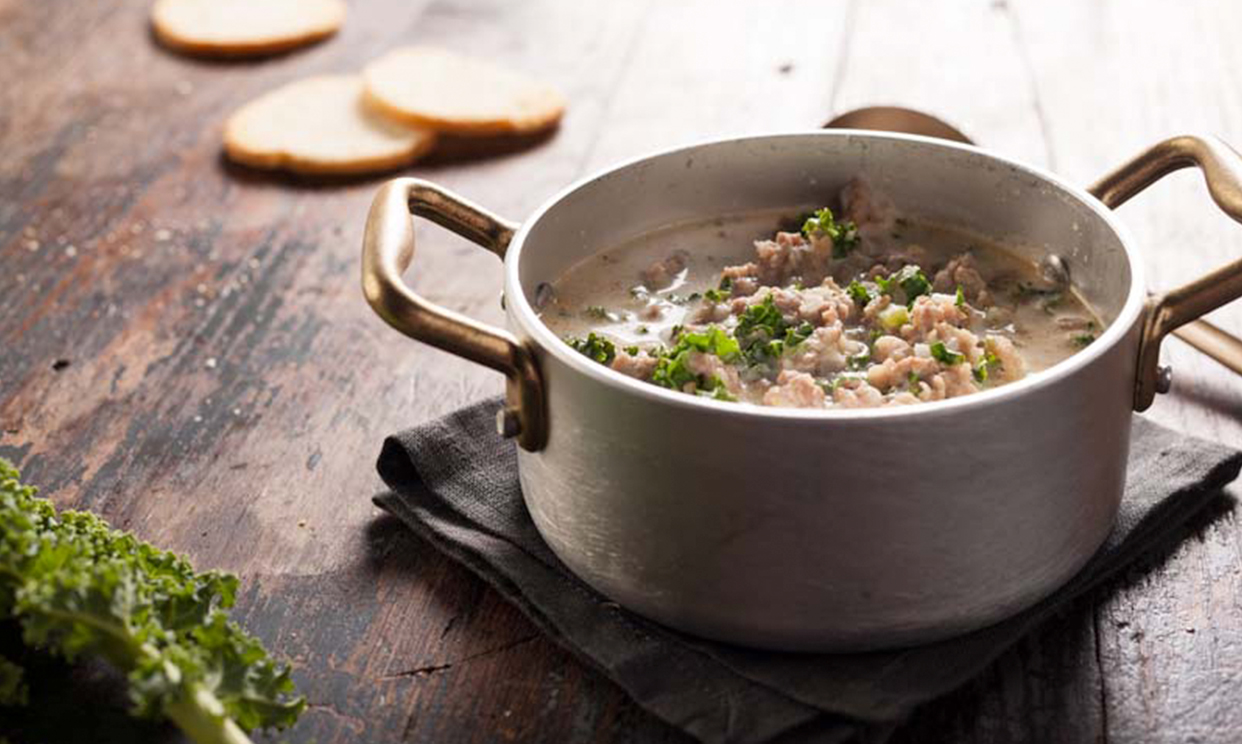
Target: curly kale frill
78	587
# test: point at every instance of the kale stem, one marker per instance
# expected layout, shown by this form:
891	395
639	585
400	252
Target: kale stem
201	716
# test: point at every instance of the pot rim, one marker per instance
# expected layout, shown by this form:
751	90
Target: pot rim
529	322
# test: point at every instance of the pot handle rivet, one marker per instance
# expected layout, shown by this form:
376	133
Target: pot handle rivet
1164	378
508	423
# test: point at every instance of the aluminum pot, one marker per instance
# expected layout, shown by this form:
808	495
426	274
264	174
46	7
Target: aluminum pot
818	530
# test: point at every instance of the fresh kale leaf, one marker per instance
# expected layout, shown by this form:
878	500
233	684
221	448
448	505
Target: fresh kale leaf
76	587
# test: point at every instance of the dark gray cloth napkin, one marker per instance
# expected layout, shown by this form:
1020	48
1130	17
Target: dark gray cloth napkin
454	482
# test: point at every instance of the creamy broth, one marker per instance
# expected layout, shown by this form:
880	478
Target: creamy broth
874	310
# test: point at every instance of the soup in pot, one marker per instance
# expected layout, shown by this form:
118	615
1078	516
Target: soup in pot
835	308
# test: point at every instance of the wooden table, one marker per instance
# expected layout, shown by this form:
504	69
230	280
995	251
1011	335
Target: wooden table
186	350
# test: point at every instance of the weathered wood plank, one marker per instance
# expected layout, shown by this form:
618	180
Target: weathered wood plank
1114	81
222	394
226	387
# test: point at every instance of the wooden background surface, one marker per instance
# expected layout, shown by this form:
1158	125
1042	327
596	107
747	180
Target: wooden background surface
186	351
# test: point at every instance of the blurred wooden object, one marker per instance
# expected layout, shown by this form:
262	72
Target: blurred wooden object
186	350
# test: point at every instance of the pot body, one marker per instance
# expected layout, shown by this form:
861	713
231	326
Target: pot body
830	530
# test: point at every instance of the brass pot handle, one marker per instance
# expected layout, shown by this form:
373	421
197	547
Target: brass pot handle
1222	170
388	248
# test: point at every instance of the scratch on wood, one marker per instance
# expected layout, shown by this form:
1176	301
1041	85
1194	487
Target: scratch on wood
429	669
1099	663
448	626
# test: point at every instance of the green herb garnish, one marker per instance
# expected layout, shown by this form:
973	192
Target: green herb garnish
764	333
795	335
761	318
959	298
988	362
910	279
944	355
594	347
844	234
600	312
1082	340
672	370
722	292
1049	297
860	360
859	293
715	389
913	282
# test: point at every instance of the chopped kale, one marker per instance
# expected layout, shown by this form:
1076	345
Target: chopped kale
945	355
761	318
910	280
1049	297
1051	301
764	334
716	390
913	282
672	370
859	293
594	347
860	360
988	362
714	340
844	234
600	312
721	293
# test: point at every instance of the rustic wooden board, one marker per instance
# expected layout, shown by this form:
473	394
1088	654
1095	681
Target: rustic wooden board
186	351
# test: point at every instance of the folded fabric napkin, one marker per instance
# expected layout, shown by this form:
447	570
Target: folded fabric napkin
455	482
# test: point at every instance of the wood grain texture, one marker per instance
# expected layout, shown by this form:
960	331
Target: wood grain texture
186	350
